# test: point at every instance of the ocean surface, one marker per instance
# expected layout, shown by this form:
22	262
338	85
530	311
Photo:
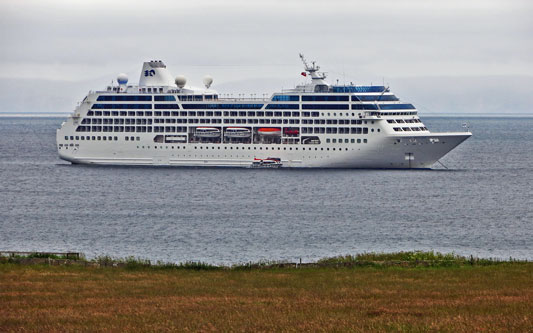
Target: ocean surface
482	205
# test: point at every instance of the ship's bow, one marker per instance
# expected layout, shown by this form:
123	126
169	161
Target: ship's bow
424	151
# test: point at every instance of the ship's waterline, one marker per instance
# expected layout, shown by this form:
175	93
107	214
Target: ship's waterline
162	121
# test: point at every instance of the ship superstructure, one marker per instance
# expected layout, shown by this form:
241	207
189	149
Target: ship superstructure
161	121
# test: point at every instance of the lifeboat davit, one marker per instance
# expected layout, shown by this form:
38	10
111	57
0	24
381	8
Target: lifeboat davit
269	131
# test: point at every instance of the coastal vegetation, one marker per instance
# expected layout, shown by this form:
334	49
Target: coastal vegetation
406	291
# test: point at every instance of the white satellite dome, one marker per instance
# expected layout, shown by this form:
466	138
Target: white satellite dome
122	78
180	81
208	80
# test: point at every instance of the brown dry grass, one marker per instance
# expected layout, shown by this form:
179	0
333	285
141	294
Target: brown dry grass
495	298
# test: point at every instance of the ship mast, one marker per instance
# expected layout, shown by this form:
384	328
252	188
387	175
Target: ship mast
313	69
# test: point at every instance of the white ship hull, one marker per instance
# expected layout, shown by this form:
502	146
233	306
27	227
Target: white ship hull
412	152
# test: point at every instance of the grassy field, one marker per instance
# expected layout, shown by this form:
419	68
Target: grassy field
458	298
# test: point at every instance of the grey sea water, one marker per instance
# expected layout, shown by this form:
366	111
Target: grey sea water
481	206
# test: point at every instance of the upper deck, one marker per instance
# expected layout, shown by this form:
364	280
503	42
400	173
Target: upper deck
315	103
317	93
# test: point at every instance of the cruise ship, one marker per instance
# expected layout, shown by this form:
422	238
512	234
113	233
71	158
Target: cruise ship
162	121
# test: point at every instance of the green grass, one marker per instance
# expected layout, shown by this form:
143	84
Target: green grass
469	296
492	298
411	258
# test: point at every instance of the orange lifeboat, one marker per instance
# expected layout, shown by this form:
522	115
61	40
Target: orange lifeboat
267	131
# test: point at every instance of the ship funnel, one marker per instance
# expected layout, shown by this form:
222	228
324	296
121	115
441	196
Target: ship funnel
155	73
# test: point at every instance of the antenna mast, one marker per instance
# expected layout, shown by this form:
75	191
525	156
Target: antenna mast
313	69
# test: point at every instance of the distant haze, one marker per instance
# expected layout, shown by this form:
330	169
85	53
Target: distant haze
443	56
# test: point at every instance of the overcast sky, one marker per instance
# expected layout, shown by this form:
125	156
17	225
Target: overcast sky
233	40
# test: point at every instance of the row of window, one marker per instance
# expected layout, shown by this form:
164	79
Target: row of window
127	98
188	121
346	141
289	148
325	106
333	98
231	148
93	113
336	130
174	129
325	98
98	106
134	106
197	97
149	90
143	121
342	106
286	98
383	107
222	106
254	147
401	121
408	129
121	106
282	107
131	138
360	89
388	114
374	98
117	121
354	98
95	138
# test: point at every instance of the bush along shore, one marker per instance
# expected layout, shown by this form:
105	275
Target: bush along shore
371	259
